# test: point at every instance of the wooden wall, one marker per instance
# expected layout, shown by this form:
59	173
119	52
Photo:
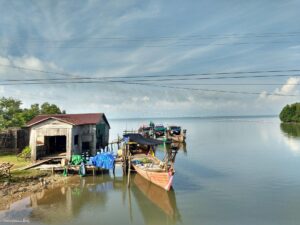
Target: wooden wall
49	128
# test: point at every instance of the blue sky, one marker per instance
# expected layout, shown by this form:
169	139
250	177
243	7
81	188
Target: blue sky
142	38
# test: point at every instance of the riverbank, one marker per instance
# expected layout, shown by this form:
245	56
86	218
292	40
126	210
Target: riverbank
23	183
19	187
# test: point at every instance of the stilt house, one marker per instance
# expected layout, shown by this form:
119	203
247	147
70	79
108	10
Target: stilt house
67	133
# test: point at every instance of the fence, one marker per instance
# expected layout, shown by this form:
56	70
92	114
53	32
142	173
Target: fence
13	140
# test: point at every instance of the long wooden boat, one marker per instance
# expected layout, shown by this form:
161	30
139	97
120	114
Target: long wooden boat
154	170
140	153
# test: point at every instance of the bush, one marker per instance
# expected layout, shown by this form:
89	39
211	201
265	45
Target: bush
26	151
290	113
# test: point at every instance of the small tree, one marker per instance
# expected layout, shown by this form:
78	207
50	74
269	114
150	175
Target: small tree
12	115
47	108
290	113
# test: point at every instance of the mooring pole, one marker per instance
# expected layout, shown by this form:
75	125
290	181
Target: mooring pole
129	166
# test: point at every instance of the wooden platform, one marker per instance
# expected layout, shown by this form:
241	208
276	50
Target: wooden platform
54	156
37	163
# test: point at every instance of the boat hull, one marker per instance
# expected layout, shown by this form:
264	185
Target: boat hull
161	179
177	138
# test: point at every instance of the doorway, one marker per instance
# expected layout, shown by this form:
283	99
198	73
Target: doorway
55	144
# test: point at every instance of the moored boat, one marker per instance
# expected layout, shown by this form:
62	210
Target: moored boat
153	170
176	134
146	131
159	131
141	154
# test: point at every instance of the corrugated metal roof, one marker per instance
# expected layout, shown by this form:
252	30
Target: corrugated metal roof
138	138
74	119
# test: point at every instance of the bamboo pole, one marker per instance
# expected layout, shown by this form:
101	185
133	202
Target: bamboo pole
129	167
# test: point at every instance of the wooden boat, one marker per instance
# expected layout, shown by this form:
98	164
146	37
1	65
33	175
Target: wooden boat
159	131
146	131
176	134
140	152
154	170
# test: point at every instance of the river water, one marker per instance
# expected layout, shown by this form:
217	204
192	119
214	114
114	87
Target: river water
231	171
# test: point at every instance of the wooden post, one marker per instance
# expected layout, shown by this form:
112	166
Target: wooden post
118	142
129	166
114	169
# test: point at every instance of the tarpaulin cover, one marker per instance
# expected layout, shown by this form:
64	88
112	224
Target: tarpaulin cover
138	138
76	159
104	160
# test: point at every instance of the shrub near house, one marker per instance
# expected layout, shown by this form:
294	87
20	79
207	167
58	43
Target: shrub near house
290	113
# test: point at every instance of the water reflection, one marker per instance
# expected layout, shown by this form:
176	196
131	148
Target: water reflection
156	204
292	136
178	146
291	130
18	212
173	146
62	204
67	203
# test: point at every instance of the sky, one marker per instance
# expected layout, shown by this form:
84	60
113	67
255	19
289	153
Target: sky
135	58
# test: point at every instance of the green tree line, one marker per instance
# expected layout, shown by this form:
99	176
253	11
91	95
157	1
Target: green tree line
290	113
13	115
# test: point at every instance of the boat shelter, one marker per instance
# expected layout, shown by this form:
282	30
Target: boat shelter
67	134
140	139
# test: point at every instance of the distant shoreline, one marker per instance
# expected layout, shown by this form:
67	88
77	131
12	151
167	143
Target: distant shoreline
197	117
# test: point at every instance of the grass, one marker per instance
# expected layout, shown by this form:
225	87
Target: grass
12	158
17	175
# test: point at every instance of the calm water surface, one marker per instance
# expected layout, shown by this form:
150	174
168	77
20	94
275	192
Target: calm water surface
231	171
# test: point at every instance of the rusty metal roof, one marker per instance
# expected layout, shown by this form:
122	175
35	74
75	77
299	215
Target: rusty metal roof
74	119
138	138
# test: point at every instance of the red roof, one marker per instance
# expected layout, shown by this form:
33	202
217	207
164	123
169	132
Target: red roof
74	119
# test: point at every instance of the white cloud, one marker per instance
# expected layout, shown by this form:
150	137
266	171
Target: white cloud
3	62
45	40
289	88
138	14
146	99
29	62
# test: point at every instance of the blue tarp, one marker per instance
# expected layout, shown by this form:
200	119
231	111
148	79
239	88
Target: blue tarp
104	160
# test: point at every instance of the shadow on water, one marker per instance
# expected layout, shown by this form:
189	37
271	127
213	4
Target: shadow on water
194	168
189	184
290	129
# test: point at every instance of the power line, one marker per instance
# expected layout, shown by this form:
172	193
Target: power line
229	92
157	46
119	79
73	76
176	37
240	84
81	80
170	87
